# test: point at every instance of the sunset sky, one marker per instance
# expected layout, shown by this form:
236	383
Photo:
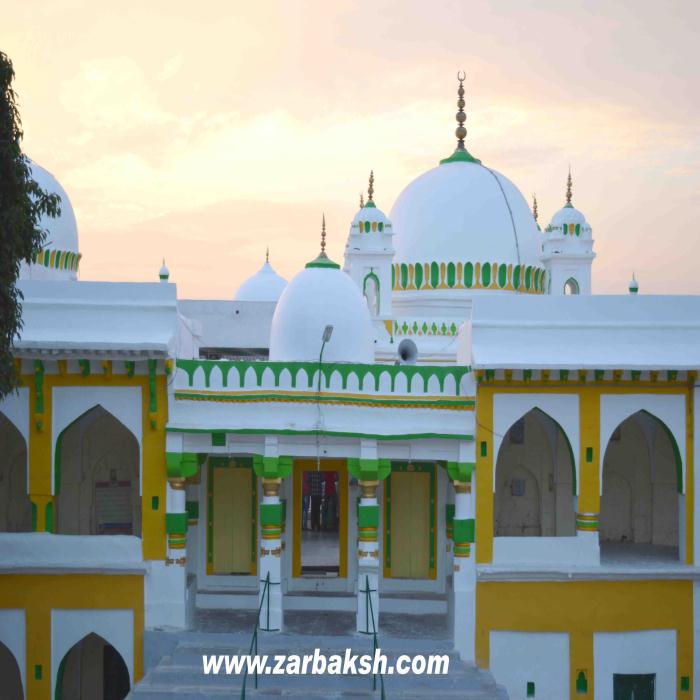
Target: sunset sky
205	131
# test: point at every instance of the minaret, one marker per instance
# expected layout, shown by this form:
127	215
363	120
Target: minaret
567	249
369	254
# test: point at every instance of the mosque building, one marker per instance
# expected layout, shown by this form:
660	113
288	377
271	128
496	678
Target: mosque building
497	445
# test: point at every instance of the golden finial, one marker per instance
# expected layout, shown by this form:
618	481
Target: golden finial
267	254
323	234
534	207
568	188
461	130
362	200
370	189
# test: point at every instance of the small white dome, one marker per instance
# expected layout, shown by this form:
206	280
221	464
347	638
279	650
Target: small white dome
318	296
370	219
463	211
163	273
264	285
569	221
60	256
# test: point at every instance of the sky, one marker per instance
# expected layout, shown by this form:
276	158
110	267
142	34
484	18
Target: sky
205	132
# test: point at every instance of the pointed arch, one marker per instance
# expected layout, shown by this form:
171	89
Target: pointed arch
535	479
15	504
12	682
99	459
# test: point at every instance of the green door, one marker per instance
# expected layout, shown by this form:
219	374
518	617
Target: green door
634	686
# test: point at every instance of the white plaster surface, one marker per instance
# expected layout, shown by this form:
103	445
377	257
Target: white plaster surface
68	627
647	651
533	331
668	408
13	634
123	402
547	551
542	657
45	551
165	596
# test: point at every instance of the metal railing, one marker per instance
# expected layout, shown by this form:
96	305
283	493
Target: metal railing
253	650
369	615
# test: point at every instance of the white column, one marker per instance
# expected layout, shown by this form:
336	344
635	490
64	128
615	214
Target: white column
368	559
270	562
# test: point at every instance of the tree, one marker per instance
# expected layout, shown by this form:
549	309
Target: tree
22	204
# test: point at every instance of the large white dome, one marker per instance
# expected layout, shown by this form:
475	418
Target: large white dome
318	296
464	226
60	256
264	285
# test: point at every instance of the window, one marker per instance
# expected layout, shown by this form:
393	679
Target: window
571	286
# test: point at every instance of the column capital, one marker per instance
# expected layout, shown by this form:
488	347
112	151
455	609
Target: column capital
271	487
177	483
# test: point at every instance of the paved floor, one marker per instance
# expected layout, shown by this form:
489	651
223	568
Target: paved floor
320	549
324	623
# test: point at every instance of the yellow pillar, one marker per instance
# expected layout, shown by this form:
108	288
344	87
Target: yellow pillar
38	621
589	460
40	457
484	475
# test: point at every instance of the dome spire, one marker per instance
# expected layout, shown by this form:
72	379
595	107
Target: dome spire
461	153
267	254
534	207
370	189
362	200
568	189
322	260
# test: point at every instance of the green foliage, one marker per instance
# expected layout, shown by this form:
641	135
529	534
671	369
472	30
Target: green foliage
22	204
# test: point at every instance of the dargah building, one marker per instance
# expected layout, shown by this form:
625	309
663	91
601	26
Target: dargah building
445	437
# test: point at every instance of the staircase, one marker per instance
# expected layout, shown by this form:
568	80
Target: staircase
179	673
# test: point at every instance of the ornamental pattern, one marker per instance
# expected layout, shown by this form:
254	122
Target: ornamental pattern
497	276
58	259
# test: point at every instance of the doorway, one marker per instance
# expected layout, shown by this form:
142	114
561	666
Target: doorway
320	520
628	686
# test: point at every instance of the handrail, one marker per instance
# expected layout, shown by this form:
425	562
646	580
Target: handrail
254	640
369	613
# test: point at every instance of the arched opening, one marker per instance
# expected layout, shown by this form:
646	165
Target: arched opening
92	670
15	506
11	675
639	509
571	286
535	480
371	293
97	477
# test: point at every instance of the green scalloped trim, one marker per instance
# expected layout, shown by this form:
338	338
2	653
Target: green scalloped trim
323	261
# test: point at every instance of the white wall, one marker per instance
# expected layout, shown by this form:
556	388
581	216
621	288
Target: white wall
13	634
542	657
648	651
68	627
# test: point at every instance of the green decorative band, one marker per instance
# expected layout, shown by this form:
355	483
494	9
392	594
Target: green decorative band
368	517
568	229
369	470
462	549
181	465
176	523
453	404
468	275
304	375
58	259
367	534
271	532
272	467
463	530
271	515
426	328
177	541
371	226
460	471
587	522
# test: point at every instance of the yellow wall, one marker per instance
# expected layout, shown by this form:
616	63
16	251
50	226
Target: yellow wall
152	455
589	472
582	608
39	594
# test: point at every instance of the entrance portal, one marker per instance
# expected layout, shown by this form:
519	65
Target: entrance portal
320	523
